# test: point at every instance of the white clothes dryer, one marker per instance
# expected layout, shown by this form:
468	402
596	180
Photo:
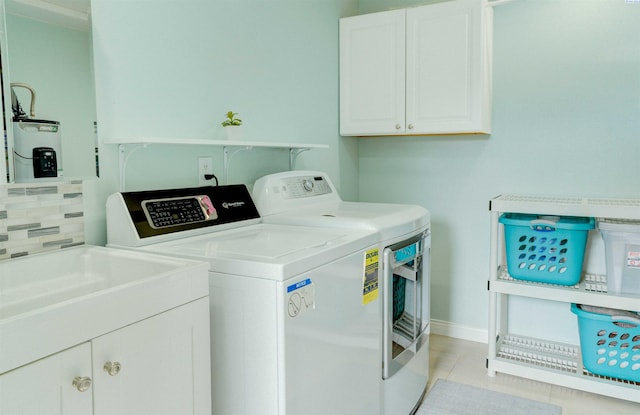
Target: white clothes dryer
291	330
309	198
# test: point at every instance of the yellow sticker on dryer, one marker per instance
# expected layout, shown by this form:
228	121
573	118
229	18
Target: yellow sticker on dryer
370	278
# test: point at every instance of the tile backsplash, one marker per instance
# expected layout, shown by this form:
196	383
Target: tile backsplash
37	217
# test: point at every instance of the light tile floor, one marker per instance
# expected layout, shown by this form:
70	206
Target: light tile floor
465	362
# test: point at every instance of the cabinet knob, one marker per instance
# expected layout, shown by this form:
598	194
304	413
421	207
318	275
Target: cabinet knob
398	126
81	383
411	126
112	368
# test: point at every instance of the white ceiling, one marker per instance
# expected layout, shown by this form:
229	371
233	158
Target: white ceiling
69	13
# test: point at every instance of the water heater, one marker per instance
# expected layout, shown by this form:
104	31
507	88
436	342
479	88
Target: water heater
37	149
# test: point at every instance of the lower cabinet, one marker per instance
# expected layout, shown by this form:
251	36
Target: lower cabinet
50	386
160	365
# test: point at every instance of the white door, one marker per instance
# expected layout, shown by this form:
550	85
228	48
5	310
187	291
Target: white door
46	387
447	70
372	74
164	365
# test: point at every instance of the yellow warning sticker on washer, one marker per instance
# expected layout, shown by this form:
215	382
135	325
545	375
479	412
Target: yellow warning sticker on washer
370	278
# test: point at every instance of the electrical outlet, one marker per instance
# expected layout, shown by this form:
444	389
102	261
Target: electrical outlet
205	166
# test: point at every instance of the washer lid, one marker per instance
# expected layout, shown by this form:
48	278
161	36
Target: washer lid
268	250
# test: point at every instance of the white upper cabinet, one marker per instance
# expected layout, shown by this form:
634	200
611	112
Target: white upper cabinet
423	70
372	73
448	83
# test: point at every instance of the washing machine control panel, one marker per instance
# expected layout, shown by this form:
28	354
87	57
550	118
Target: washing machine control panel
165	214
178	211
304	186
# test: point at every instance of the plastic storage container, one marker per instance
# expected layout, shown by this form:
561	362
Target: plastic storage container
609	341
622	255
548	249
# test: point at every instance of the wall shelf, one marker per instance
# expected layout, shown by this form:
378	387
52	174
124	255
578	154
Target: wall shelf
541	359
230	148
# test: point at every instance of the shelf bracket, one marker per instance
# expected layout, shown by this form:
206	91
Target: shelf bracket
294	152
228	153
123	159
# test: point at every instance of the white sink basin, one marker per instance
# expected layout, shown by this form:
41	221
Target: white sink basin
52	301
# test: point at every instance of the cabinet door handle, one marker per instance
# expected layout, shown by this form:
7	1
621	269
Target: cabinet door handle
398	126
81	383
112	368
411	126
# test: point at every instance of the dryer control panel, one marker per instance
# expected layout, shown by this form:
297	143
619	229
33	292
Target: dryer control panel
304	186
293	190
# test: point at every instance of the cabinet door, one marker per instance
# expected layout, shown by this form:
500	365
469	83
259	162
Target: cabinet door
45	387
164	365
447	68
372	78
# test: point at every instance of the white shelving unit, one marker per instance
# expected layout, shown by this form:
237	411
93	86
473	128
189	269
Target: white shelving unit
230	148
538	359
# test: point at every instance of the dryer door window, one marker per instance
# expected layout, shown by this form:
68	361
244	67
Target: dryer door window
405	273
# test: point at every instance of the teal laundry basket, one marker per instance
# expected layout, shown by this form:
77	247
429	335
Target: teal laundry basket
609	341
399	294
547	249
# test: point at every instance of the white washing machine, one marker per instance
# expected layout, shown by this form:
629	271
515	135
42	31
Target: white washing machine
293	330
309	198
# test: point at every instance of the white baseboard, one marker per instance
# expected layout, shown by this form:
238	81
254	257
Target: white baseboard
446	328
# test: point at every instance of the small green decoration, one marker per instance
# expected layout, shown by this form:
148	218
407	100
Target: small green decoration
231	120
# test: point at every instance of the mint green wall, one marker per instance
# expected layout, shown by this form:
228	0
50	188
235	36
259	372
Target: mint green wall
566	121
174	68
56	62
372	6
